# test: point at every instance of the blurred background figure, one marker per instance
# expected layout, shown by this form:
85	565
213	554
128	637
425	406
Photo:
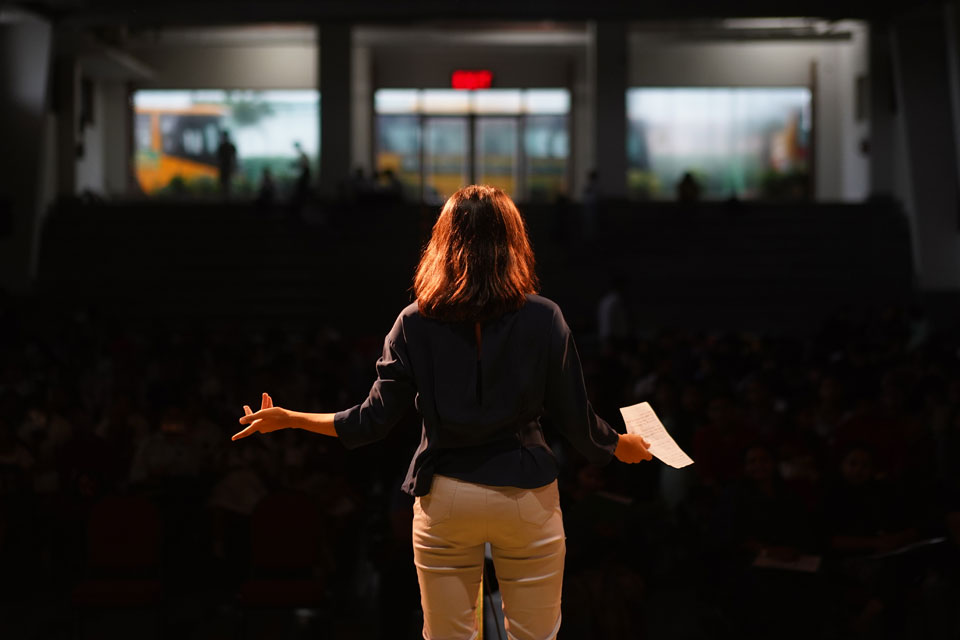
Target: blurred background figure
688	189
391	188
591	205
360	187
302	185
226	162
267	194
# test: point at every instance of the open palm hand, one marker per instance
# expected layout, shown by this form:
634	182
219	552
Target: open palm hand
268	418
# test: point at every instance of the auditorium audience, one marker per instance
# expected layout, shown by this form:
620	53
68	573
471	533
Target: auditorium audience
767	520
841	446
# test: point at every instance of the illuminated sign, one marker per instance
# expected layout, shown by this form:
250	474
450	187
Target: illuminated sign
476	79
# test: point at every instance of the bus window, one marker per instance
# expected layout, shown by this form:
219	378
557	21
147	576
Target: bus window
184	137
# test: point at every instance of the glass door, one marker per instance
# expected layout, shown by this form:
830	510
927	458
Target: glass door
496	151
438	140
398	150
546	148
446	156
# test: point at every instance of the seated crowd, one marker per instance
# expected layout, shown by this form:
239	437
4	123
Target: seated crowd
824	500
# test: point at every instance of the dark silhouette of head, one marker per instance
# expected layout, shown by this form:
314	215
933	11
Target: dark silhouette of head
479	263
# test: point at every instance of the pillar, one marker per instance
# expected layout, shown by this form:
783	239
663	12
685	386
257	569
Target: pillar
609	71
921	73
336	64
882	114
362	110
25	52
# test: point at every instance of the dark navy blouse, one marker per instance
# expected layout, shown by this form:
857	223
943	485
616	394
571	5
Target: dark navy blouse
481	411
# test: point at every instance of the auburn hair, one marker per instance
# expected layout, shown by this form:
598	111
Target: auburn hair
478	263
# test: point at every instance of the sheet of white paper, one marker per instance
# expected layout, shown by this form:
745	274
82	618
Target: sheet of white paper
641	419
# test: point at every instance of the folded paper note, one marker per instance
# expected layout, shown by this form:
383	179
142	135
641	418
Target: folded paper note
641	419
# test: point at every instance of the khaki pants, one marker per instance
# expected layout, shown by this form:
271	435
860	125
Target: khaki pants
525	530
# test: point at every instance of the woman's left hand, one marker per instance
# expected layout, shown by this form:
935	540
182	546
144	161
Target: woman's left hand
269	418
632	448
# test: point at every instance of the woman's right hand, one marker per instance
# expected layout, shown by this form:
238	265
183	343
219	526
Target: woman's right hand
631	447
269	418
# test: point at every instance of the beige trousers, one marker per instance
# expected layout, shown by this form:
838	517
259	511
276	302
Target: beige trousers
525	530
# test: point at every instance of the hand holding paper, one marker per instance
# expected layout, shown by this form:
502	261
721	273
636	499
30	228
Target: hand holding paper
632	448
641	419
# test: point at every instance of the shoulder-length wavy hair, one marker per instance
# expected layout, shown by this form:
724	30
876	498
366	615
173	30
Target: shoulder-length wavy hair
479	263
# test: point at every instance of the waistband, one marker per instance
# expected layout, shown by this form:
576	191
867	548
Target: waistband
526	434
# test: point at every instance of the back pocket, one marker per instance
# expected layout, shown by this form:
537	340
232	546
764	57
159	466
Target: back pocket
535	506
437	506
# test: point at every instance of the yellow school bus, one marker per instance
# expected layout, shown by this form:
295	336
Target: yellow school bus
174	142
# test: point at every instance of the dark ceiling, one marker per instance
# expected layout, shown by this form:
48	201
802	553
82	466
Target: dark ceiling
177	12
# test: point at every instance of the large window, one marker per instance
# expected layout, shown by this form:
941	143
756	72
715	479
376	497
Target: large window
437	140
177	135
733	142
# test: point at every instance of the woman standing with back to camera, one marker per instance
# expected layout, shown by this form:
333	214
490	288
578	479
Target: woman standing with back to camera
482	357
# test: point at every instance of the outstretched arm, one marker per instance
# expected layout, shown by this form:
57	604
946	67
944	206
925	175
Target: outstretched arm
390	396
271	418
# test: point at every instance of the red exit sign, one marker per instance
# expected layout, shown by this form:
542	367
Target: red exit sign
473	79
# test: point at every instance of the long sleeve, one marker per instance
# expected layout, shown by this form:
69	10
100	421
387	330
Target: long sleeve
392	394
565	399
